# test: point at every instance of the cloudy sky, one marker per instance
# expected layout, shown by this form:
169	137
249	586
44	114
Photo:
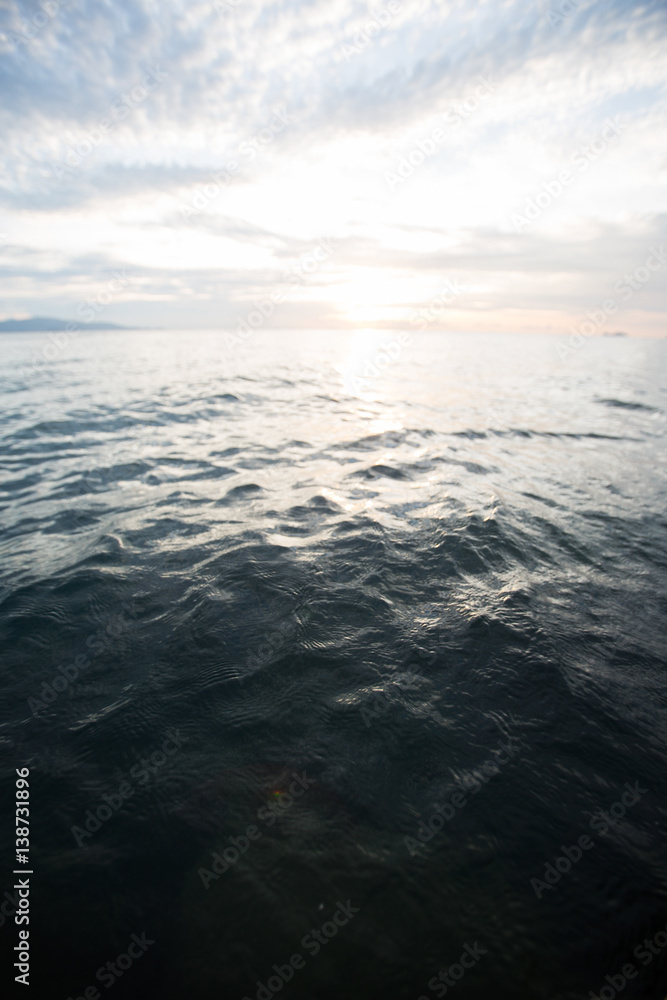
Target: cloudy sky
463	164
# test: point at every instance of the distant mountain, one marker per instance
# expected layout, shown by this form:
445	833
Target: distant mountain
46	324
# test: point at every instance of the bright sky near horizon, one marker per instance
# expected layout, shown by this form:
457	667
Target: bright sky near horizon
467	165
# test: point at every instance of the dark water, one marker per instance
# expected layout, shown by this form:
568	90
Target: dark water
251	565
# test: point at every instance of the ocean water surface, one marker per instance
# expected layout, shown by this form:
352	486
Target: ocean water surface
338	664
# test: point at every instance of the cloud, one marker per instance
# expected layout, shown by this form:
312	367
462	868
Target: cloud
358	89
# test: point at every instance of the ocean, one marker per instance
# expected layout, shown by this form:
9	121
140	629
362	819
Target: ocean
337	660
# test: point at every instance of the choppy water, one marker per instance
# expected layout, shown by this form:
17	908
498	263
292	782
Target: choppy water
373	581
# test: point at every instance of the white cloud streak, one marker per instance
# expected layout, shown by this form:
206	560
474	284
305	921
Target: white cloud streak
223	73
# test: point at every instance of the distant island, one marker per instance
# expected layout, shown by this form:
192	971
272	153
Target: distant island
46	324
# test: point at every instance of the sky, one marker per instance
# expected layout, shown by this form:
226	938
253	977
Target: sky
468	165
